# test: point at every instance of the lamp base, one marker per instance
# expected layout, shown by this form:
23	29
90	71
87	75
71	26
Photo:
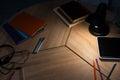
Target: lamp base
98	31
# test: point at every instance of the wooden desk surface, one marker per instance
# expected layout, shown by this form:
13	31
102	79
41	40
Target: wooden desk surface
66	54
85	45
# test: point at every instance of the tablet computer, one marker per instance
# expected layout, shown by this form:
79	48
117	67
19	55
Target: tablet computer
109	48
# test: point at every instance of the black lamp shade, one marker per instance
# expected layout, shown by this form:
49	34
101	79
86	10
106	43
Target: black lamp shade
97	20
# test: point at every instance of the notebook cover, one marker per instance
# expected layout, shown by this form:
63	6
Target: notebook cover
27	23
74	10
13	34
21	33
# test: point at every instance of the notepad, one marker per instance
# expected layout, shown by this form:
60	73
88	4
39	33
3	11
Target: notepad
27	23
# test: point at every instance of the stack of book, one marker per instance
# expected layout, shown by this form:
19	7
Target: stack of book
24	26
71	13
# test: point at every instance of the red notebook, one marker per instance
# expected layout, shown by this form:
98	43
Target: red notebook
27	23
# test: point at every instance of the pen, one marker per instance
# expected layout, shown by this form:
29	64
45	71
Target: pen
11	76
111	71
94	66
22	73
38	45
99	69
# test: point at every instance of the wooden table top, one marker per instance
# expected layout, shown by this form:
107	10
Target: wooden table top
66	54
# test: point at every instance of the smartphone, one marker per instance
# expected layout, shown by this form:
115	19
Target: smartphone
109	48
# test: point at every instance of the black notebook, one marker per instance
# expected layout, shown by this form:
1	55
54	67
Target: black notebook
71	12
74	10
109	48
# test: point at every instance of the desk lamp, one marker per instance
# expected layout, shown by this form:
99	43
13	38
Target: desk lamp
98	25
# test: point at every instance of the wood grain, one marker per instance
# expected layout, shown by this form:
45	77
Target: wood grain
54	62
85	45
58	64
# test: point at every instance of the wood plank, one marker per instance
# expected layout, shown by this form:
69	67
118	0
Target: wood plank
57	64
85	45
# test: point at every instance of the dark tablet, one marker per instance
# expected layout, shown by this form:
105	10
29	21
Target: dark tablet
109	47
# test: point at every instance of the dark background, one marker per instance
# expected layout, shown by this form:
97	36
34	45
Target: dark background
9	7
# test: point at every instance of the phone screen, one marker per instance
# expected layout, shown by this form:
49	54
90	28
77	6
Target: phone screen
109	47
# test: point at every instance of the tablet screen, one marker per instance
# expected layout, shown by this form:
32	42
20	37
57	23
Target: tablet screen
109	47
